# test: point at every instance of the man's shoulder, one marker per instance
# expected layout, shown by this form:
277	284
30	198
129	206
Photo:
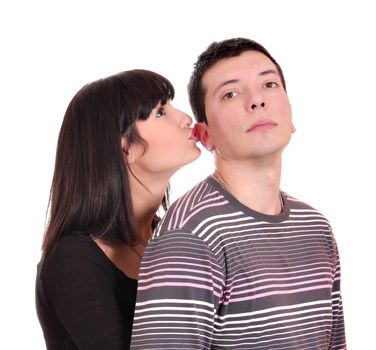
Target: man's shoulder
192	208
299	208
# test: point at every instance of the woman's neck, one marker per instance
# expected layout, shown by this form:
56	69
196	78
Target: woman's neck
146	201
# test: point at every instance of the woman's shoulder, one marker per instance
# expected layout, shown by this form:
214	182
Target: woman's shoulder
72	252
73	246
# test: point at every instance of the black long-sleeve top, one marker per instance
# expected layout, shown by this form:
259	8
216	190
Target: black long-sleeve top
83	300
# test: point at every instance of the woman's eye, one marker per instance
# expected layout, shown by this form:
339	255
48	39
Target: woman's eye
271	84
160	112
229	95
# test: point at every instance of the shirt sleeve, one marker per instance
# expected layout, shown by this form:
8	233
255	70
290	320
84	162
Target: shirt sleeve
81	292
338	338
179	290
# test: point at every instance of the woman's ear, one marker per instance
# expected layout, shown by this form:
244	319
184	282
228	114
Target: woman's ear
128	153
201	132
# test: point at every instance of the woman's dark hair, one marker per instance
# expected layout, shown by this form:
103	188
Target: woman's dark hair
90	192
215	52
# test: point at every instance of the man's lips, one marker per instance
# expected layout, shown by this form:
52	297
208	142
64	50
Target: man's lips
262	125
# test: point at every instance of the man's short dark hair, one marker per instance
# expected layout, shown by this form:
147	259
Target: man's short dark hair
214	53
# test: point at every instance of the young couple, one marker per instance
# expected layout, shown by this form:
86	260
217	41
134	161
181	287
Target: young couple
235	263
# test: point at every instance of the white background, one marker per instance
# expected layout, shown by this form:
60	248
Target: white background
327	51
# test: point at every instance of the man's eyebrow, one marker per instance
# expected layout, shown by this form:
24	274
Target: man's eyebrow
224	83
227	82
269	71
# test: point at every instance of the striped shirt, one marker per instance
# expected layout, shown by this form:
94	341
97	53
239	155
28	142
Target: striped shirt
218	275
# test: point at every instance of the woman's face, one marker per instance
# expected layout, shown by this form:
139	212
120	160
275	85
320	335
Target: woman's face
171	142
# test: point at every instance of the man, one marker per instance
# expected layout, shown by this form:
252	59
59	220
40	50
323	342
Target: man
237	263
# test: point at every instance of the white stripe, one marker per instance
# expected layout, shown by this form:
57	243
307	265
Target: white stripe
174	301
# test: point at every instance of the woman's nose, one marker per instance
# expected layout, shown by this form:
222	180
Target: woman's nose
187	120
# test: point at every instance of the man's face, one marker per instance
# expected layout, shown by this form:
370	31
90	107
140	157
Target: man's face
247	108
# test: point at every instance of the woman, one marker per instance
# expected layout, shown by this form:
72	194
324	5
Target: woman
119	144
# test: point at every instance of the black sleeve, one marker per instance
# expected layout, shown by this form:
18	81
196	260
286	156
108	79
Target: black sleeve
82	292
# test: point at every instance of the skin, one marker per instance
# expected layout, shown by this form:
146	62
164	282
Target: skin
171	144
249	125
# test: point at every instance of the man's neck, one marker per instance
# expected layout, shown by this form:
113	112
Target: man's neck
254	184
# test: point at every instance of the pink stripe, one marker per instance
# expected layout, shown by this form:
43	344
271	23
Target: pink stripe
280	271
284	273
217	204
177	284
183	202
280	292
178	269
161	277
280	285
193	200
156	271
282	279
151	264
175	214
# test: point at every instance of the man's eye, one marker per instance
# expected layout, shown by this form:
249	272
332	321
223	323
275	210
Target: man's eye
271	84
229	95
160	112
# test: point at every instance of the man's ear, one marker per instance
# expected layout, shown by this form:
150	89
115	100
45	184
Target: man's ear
201	132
